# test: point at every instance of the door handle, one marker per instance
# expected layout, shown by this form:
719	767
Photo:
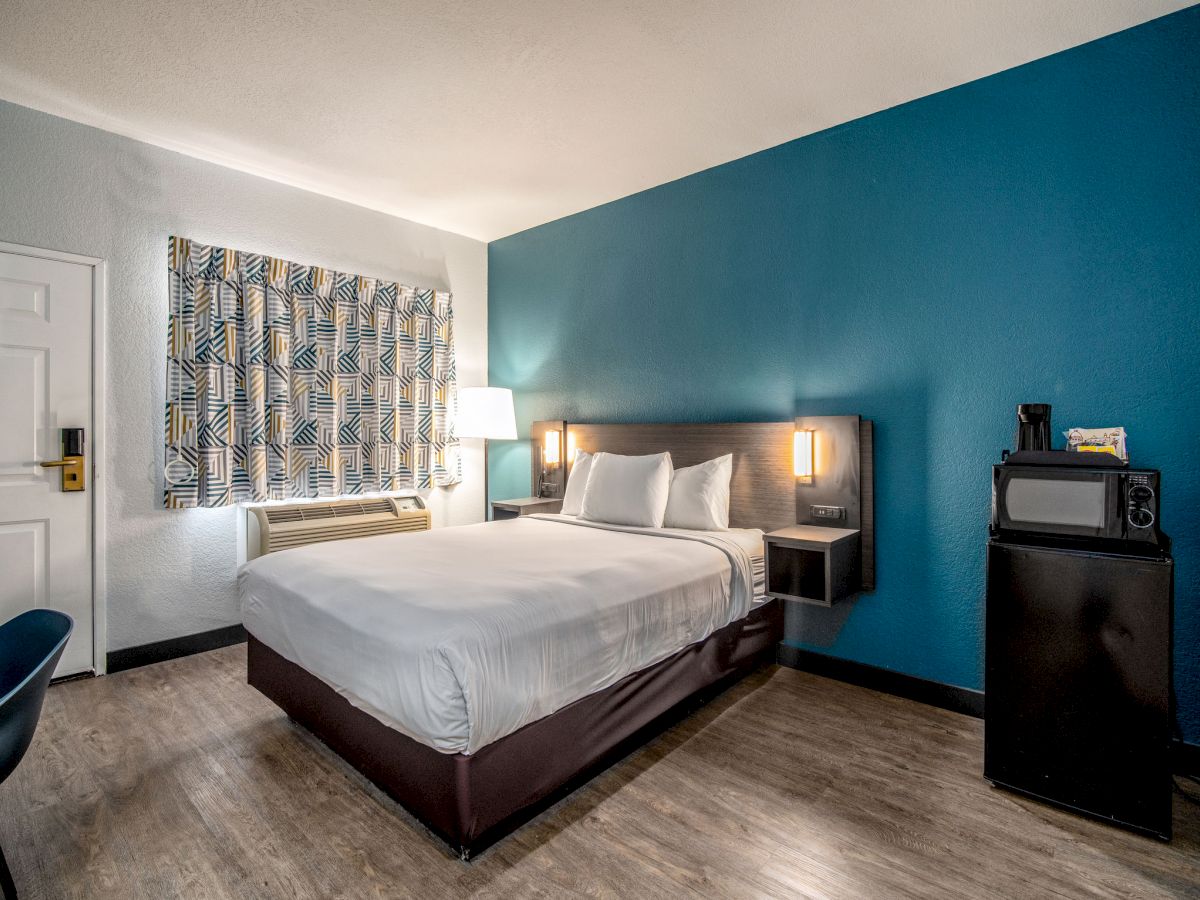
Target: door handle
72	463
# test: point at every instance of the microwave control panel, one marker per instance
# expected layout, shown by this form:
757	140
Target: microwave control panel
1141	506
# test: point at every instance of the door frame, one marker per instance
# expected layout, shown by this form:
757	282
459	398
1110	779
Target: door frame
99	463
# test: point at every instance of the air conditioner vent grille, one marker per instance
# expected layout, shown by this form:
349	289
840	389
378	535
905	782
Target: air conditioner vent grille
308	512
294	525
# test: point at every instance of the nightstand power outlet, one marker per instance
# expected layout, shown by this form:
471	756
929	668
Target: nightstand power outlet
828	512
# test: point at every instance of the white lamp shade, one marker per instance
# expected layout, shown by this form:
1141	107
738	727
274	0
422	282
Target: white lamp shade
802	454
486	412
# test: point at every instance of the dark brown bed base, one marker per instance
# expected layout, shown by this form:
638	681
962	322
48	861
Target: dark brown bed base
473	801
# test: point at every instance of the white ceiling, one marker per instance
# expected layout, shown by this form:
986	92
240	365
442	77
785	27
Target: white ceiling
486	118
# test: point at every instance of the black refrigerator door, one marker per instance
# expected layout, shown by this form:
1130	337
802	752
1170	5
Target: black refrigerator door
1078	681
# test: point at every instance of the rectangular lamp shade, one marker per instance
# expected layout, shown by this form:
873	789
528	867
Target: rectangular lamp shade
550	452
486	412
802	454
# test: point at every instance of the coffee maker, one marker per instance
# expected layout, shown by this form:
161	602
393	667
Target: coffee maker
1033	426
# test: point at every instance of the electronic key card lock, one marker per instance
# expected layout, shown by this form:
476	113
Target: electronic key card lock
72	463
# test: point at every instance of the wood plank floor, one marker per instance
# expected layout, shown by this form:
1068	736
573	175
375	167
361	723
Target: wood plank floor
178	780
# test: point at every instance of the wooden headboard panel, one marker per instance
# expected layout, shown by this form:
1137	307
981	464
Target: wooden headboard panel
762	493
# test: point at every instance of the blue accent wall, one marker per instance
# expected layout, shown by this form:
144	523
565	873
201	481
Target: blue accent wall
1030	237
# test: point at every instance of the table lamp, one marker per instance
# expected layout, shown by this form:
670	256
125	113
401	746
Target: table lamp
486	412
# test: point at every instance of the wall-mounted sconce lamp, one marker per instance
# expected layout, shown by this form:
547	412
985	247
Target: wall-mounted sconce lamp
551	455
802	455
551	459
548	475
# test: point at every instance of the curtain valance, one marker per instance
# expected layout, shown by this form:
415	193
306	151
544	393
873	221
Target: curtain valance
287	380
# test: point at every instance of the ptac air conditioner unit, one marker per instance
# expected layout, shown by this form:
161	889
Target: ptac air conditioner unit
282	526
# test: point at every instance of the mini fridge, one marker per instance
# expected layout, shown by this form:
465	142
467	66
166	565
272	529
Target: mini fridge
1078	702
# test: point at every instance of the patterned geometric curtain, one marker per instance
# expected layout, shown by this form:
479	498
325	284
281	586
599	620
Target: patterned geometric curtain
289	381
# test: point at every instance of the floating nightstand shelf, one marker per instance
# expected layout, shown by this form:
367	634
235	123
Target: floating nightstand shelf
813	563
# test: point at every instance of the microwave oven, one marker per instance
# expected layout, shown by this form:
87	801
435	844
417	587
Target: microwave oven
1076	502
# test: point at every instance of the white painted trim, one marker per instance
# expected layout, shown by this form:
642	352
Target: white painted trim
99	469
95	438
59	255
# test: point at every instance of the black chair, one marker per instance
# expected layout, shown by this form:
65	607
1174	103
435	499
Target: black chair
30	646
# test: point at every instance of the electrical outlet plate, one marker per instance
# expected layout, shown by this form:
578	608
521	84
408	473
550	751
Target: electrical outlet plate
828	512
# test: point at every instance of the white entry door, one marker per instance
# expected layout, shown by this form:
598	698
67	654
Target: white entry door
45	385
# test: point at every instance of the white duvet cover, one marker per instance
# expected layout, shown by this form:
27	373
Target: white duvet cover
459	636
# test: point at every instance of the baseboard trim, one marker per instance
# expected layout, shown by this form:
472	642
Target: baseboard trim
79	676
1185	757
932	693
174	648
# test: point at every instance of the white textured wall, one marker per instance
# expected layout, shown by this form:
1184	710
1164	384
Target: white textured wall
69	187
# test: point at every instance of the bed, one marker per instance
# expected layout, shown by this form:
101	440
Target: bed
479	673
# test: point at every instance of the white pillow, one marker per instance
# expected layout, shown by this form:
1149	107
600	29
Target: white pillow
576	483
628	490
699	497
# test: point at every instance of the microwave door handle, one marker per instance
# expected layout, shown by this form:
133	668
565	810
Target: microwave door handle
1115	501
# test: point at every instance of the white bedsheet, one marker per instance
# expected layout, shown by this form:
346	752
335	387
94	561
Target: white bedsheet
459	636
